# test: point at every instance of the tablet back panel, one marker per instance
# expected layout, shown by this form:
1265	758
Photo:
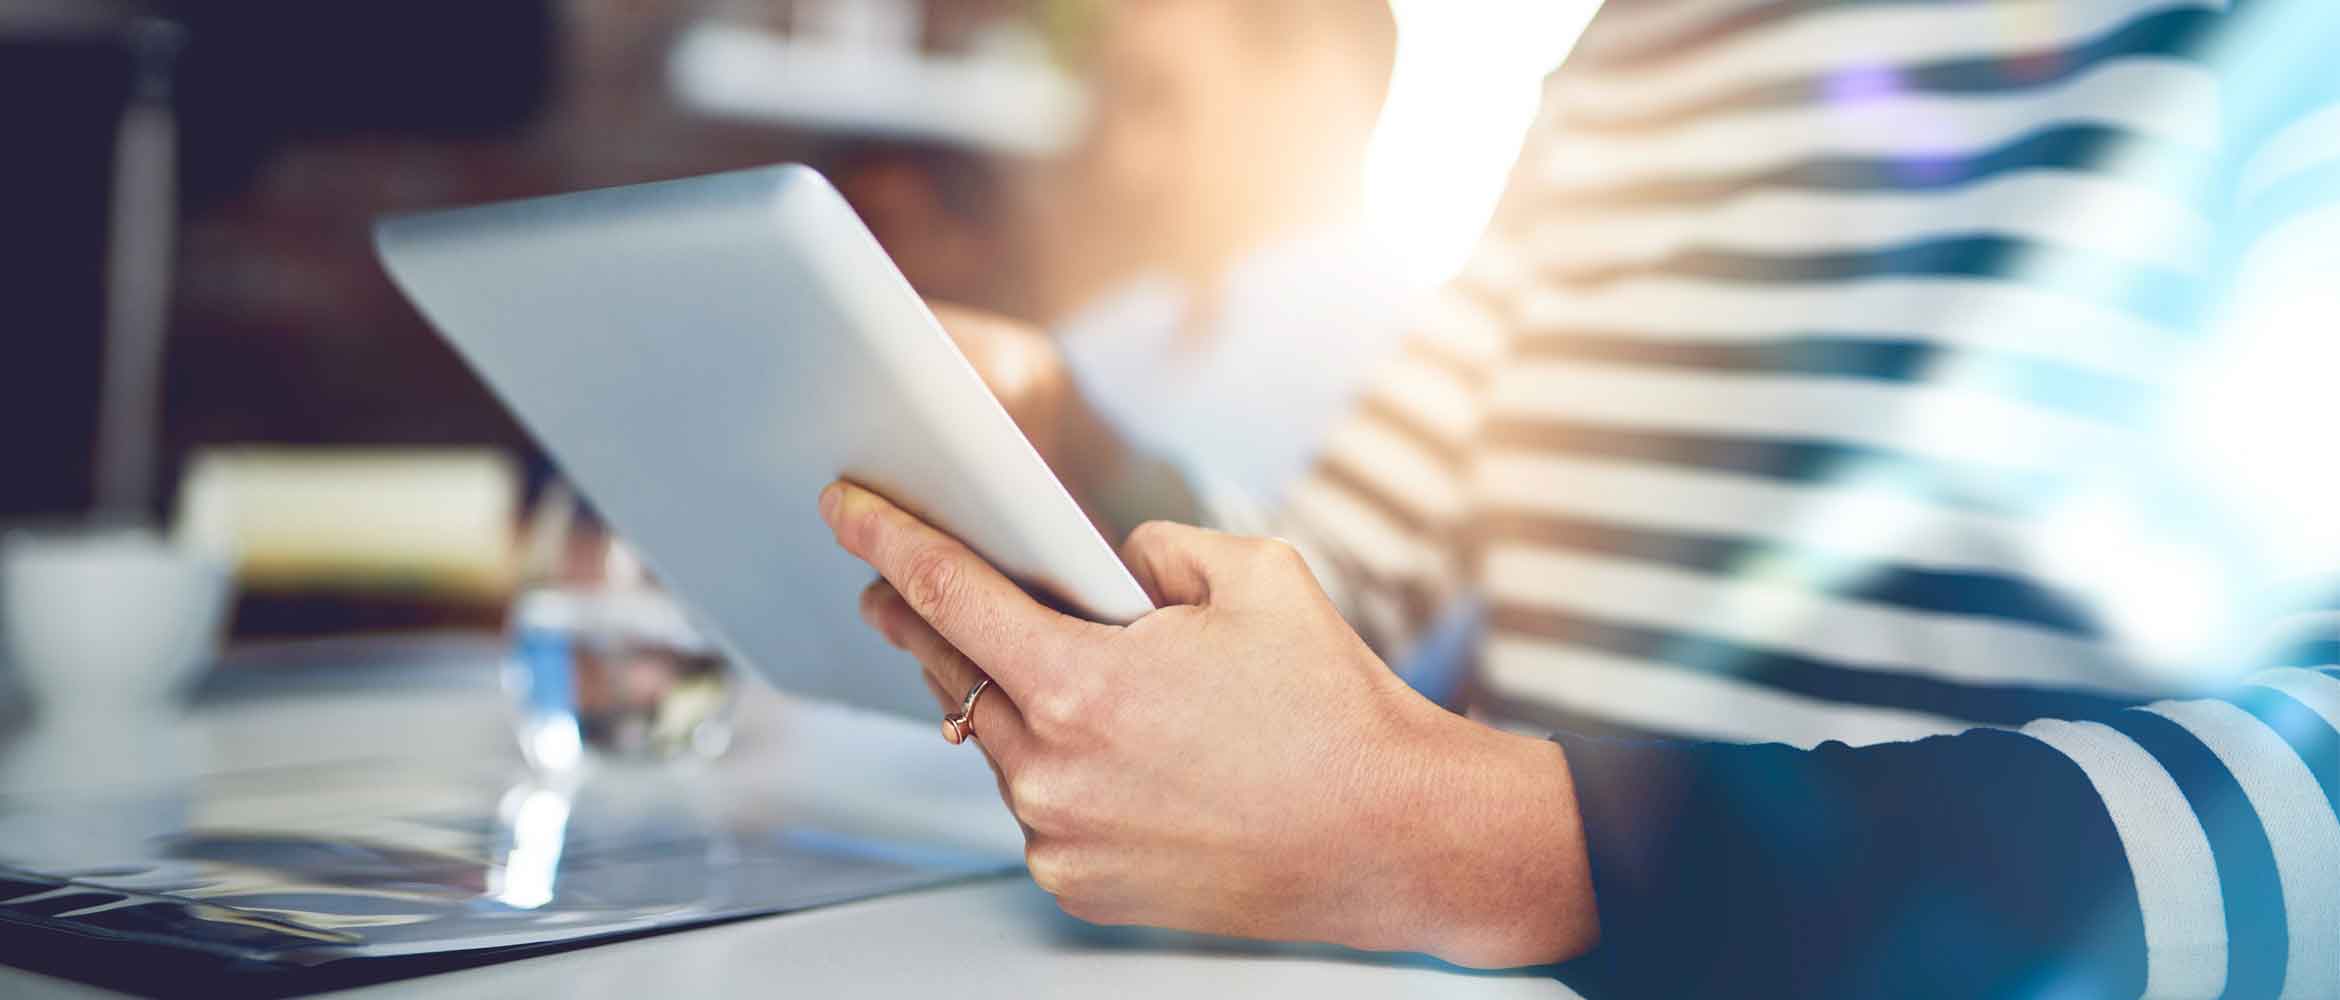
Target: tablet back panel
701	357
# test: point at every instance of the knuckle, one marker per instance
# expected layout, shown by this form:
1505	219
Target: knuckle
1278	554
1052	868
1041	802
1062	709
931	578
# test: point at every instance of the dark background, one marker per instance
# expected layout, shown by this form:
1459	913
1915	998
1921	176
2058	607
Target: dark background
299	123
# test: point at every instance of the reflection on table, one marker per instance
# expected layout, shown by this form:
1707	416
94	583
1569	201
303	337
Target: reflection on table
397	820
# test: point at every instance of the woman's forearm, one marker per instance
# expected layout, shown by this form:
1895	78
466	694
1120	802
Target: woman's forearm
1493	861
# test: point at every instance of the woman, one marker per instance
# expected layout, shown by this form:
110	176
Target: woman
1771	257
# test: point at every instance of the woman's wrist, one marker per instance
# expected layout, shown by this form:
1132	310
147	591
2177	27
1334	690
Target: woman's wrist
1494	868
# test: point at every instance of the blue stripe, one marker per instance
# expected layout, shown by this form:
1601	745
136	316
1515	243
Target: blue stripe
1802	462
2166	296
2256	929
2037	381
2081	148
1942	592
1832	681
2309	735
2164	33
2315	653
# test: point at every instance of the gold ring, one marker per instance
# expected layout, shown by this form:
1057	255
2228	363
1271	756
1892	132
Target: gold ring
960	728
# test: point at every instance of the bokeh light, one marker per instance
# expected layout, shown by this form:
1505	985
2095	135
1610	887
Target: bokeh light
1462	95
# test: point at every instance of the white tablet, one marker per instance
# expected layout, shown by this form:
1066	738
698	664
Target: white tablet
702	356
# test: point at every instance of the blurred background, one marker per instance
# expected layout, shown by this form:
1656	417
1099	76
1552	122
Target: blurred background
200	345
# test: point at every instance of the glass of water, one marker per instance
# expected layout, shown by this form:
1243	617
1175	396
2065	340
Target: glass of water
603	662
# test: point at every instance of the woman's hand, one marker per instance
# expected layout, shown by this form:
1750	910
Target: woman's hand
1238	762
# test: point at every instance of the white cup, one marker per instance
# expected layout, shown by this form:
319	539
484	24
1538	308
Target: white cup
108	622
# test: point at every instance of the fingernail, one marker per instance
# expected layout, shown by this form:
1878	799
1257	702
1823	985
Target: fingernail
831	498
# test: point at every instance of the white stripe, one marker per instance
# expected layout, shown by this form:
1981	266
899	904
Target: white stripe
1631	27
1946	421
1324	521
1461	325
2106	215
1495	267
1398	468
1788	616
1669	699
2304	145
2300	827
1871	521
2319	692
1315	531
1332	518
1984	314
2178	891
2173	100
1432	396
1852	40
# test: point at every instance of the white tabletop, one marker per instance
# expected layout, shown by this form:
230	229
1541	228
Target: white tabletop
992	937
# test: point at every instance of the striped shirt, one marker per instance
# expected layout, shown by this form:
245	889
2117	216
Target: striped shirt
1815	339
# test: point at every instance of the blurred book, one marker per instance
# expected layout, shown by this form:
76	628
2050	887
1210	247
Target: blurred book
327	540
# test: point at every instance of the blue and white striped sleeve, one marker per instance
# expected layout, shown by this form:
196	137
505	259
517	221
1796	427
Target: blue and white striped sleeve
2180	850
2185	849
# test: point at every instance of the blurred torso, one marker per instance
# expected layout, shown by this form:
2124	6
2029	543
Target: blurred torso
1836	337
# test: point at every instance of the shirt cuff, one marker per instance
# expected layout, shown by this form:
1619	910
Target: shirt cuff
1983	864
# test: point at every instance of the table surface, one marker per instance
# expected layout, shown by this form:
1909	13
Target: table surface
437	703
